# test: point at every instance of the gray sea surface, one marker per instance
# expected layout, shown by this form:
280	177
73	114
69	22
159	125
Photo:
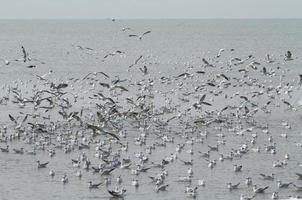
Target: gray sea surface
173	47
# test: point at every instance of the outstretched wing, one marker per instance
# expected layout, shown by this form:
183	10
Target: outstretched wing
104	74
202	98
132	35
113	193
145	33
12	119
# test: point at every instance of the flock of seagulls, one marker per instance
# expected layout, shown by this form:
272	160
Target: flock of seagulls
117	125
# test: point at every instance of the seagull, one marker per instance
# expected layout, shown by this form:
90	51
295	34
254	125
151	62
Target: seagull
185	74
42	165
207	63
126	28
237	168
187	162
213	148
139	36
299	188
79	174
288	56
43	77
136	61
31	66
107	171
219	53
135	183
233	186
244	197
93	186
161	188
114	53
191	191
205	154
25	55
259	190
33	152
17	125
268	177
283	185
202	183
299	176
144	70
82	48
95	73
224	76
119	180
248	181
264	71
117	194
185	179
19	151
52	173
64	179
275	195
269	60
5	150
190	171
107	181
300	79
198	106
6	62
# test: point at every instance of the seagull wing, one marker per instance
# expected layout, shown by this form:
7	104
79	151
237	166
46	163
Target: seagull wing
132	35
263	175
12	119
24	54
87	76
225	108
244	97
206	103
171	119
114	193
145	33
25	118
225	77
140	57
98	184
119	87
105	85
205	61
111	134
202	98
104	74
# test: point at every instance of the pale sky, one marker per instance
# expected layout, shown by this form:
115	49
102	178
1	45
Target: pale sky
75	9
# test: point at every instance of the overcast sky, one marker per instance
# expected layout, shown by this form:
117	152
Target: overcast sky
24	9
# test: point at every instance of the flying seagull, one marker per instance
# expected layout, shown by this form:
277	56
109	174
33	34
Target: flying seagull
136	61
114	53
95	73
139	36
24	54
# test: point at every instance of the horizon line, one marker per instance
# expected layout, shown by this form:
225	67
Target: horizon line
163	18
